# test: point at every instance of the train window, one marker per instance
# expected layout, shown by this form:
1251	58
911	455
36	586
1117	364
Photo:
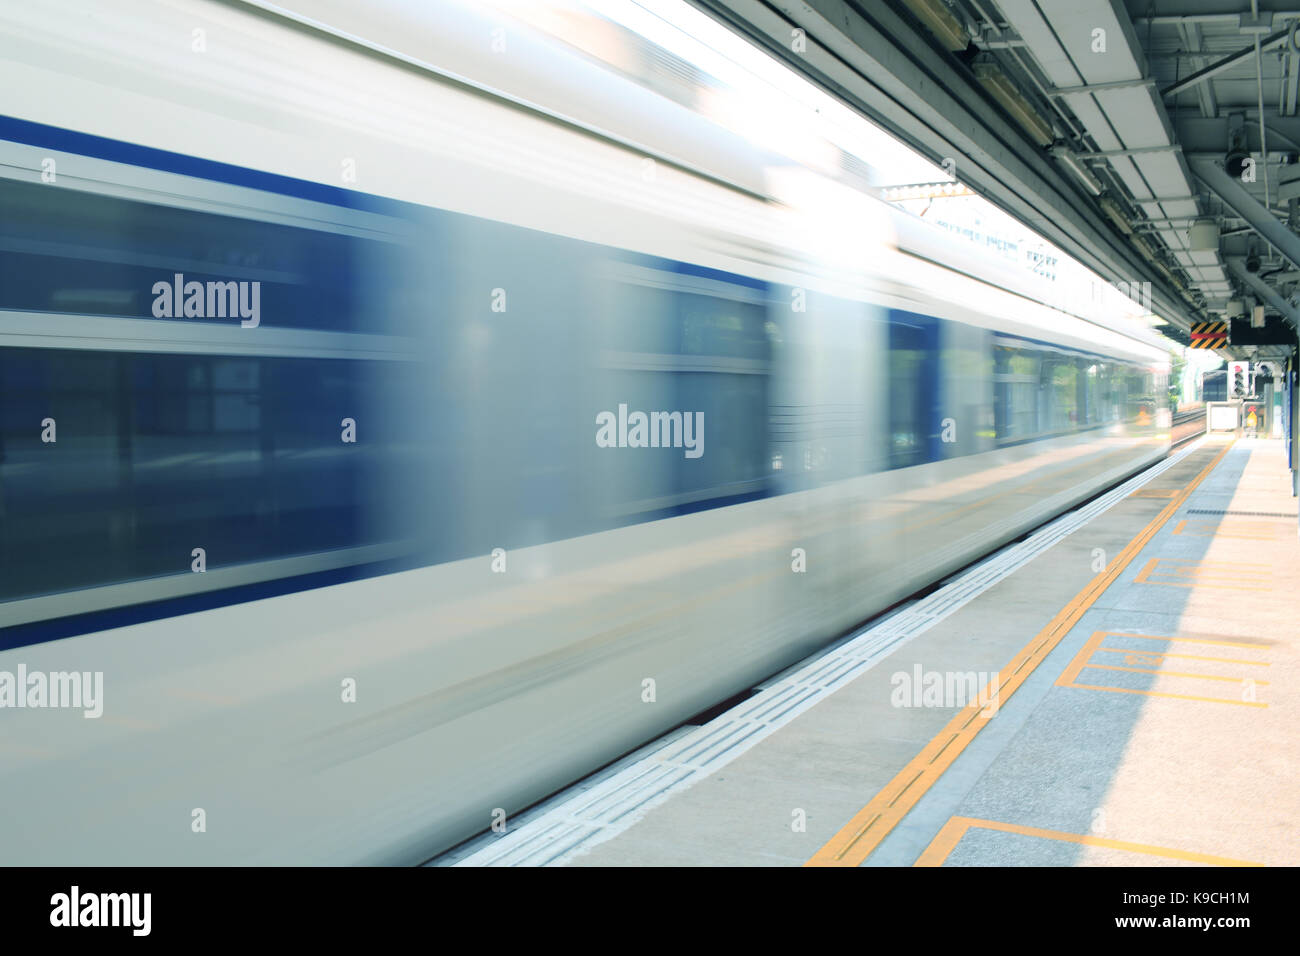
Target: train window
1140	395
913	364
966	363
1061	392
712	325
153	455
70	251
1016	378
1091	378
1112	384
715	364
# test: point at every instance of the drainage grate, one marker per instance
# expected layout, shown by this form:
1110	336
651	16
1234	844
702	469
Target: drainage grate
1241	514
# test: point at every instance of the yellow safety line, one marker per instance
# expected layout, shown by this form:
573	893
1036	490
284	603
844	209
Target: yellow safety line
952	832
861	835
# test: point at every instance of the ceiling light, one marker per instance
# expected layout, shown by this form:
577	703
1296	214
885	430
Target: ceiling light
938	19
1111	209
1002	89
1076	166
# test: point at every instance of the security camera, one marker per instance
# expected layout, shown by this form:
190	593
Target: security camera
1252	263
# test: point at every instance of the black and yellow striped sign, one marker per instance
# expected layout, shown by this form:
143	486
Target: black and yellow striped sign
1209	335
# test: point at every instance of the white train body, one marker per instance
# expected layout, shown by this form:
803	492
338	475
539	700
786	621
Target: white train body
473	601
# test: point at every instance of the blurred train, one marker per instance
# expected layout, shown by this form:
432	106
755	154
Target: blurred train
350	555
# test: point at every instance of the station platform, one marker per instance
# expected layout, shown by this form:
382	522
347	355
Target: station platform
1121	687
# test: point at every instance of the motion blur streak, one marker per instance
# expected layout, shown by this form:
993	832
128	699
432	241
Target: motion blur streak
469	281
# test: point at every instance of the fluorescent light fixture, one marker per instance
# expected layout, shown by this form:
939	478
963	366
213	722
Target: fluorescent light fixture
1076	166
1116	215
938	19
1002	89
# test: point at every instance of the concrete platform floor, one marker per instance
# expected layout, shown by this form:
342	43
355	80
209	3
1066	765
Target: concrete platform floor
1145	709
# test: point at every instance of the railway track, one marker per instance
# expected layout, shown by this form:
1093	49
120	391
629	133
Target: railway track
1187	424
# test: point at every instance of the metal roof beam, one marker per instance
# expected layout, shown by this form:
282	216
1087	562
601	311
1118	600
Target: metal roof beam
1191	35
1227	63
1241	202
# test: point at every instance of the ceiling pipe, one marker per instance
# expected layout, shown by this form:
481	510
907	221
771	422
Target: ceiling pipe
1263	130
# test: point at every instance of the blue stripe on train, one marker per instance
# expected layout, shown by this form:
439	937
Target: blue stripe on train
55	629
101	147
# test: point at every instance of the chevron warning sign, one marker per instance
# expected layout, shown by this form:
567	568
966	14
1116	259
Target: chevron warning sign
1209	335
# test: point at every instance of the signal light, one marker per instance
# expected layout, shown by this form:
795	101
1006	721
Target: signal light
1239	384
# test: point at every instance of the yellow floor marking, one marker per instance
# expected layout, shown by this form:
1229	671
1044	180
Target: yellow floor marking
1157	693
952	832
1191	638
861	835
1083	661
1186	657
1146	670
1227	528
1202	573
1071	672
1206	585
1218	569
